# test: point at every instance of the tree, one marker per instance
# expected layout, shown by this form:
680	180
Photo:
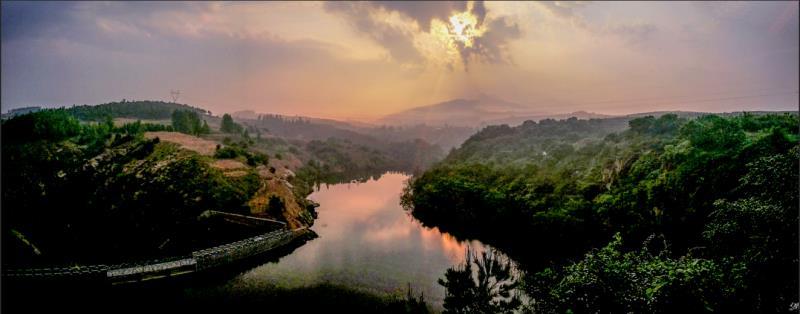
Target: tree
50	125
759	231
721	190
275	206
205	129
490	291
188	122
610	280
149	110
228	126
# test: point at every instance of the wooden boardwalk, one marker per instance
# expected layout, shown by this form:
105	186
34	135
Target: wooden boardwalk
199	260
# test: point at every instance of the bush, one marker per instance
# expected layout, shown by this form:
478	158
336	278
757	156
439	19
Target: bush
189	122
239	149
47	125
609	280
256	158
227	152
275	207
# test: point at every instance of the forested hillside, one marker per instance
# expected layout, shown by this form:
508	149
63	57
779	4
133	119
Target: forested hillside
701	214
94	193
146	109
346	152
338	153
72	174
446	137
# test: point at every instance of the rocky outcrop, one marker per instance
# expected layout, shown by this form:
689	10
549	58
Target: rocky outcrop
295	211
273	181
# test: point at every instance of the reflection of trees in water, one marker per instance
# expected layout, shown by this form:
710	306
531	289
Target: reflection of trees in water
353	177
490	288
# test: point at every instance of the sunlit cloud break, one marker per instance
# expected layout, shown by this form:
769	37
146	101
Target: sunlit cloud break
364	60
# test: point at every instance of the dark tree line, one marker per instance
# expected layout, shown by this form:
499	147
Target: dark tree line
147	109
189	122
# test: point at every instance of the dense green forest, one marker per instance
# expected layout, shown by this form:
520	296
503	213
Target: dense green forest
701	214
145	109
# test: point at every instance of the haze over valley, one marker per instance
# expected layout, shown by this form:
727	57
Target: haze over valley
400	157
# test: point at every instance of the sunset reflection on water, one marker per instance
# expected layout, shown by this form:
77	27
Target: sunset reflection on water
366	240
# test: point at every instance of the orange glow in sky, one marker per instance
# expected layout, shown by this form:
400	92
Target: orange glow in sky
364	60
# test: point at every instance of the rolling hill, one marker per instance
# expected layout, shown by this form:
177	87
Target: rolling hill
482	111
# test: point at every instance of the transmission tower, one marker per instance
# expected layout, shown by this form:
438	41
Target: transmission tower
175	94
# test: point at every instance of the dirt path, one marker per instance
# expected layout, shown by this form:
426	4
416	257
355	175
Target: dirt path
199	145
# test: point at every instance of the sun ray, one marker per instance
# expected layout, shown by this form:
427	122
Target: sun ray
464	28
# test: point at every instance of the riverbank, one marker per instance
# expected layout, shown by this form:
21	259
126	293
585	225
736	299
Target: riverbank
366	242
196	296
204	292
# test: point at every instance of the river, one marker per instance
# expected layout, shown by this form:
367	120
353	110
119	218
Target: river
366	241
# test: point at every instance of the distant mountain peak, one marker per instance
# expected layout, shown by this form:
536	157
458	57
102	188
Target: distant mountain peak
460	112
485	97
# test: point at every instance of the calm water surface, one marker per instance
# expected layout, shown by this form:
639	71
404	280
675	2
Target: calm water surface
366	241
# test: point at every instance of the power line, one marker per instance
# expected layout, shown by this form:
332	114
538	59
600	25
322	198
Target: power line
175	94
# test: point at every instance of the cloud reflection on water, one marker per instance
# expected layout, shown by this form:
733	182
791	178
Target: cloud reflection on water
366	240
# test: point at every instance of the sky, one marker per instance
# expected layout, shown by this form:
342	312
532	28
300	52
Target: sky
363	60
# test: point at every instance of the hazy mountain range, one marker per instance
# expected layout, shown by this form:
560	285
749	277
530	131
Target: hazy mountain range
446	124
481	111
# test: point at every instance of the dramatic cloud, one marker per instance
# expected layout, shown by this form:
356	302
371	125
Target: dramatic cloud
369	19
492	46
366	59
567	10
431	31
423	12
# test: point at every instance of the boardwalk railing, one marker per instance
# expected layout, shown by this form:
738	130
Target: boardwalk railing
230	252
247	220
199	260
157	269
83	271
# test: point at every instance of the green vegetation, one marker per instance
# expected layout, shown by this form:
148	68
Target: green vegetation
275	207
138	127
189	122
228	126
234	150
720	192
376	148
344	157
96	193
146	110
490	289
335	160
613	281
